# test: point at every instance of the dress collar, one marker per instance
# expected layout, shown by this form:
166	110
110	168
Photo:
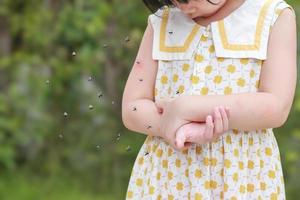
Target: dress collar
245	32
242	34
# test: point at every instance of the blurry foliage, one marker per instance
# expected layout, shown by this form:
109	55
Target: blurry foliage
40	79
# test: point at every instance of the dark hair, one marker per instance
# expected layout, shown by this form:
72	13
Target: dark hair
154	5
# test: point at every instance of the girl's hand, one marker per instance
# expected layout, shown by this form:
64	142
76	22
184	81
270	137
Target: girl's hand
201	133
170	121
220	122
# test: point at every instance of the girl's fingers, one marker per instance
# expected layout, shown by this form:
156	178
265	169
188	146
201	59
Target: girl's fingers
180	139
224	118
171	141
218	121
175	145
209	129
227	112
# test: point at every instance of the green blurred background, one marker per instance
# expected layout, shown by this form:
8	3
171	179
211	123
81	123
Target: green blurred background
63	67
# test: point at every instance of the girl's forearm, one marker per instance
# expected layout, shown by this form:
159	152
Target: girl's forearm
248	111
142	116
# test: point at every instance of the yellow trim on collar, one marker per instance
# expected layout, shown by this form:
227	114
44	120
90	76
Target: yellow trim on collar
163	47
259	29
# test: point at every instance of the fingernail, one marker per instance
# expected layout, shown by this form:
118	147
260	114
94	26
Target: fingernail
207	119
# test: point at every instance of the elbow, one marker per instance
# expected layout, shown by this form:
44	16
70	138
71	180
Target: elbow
125	117
281	114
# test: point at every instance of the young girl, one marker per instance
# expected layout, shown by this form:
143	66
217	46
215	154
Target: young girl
197	55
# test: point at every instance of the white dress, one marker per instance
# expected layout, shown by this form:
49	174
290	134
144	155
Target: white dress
223	58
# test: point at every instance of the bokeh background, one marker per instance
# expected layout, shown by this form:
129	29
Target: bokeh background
63	67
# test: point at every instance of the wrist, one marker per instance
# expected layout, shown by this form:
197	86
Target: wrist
178	106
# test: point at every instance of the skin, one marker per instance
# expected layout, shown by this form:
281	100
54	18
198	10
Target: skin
204	12
201	133
194	132
268	108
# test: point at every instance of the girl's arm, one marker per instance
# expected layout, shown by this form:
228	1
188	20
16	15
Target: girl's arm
249	111
269	108
139	112
145	119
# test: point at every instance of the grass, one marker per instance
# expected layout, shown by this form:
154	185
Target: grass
21	186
